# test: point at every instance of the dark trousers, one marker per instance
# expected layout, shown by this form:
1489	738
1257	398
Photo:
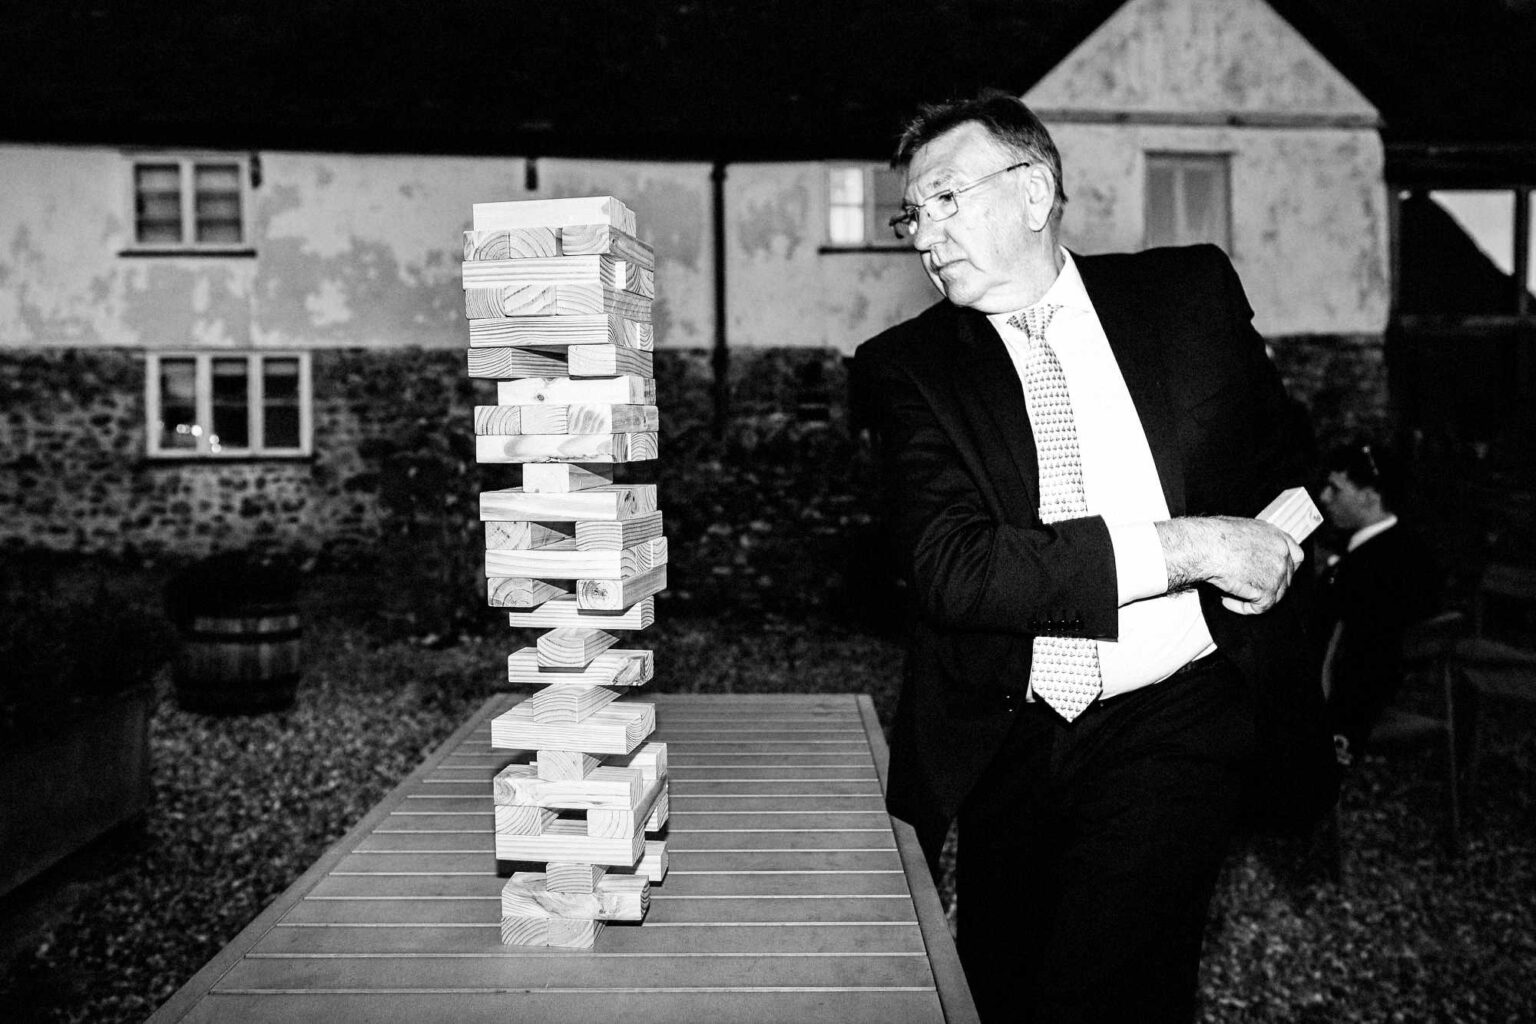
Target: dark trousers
1088	853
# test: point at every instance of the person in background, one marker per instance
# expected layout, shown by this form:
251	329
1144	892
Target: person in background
1384	581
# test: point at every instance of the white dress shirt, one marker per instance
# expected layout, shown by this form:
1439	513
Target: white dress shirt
1159	632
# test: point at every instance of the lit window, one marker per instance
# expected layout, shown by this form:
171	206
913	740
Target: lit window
234	404
187	203
861	200
1188	199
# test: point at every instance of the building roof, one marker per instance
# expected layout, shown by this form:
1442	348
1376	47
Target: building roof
682	79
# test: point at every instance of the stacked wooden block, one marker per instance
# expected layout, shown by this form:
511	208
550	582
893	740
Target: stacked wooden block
558	295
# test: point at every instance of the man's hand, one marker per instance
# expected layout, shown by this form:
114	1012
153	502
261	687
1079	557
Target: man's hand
1248	560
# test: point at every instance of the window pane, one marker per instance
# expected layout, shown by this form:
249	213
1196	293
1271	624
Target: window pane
1201	207
845	186
1160	212
889	185
178	427
280	402
846	225
231	405
157	203
217	192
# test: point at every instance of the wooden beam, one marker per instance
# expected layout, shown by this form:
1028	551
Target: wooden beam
564	299
550	331
565	876
567	705
526	536
594	418
564	611
621	501
611	668
575	361
594	238
603	786
574	240
571	563
567	840
563	765
616	536
572	646
565	477
616	729
611	594
632	390
553	213
620	898
521	592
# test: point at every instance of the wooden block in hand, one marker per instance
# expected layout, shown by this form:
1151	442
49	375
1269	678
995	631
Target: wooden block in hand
1293	512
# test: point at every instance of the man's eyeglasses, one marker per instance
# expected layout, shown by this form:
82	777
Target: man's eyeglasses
941	205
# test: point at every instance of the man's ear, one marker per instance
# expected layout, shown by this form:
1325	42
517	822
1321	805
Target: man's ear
1040	192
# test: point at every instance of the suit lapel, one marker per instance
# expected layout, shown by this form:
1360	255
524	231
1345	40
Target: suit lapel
1134	341
985	380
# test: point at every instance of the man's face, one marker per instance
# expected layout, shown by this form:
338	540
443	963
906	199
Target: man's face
1348	505
986	256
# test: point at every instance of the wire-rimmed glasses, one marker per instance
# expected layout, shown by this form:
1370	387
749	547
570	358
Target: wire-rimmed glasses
941	205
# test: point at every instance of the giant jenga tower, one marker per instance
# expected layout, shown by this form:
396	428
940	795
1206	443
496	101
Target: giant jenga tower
558	295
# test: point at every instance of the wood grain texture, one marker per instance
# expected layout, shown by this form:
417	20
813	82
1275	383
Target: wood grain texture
525	820
621	898
590	418
567	705
556	932
553	213
567	840
506	244
611	668
572	646
563	765
601	536
648	816
521	592
560	331
552	300
608	361
526	536
567	562
616	729
650	758
619	502
598	238
565	477
500	448
620	593
561	390
605	270
603	786
564	611
565	876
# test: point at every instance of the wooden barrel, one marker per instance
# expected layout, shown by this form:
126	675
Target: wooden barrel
243	661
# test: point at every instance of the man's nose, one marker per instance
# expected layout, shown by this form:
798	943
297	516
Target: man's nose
927	232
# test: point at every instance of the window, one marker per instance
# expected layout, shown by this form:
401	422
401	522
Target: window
182	203
861	200
232	404
1189	199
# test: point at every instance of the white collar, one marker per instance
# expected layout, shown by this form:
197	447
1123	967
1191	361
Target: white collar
1365	533
1066	291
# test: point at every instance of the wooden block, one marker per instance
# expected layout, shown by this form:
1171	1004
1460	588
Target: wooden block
572	646
616	729
573	933
650	759
512	244
567	705
658	816
564	765
554	213
609	504
563	611
611	822
528	894
563	299
527	931
620	593
525	820
1293	512
611	668
641	281
602	786
522	592
569	419
559	390
637	447
567	562
568	840
605	270
566	877
565	477
515	535
557	932
595	238
607	361
560	331
616	536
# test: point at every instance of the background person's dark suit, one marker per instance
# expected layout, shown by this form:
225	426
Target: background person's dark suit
1373	594
961	500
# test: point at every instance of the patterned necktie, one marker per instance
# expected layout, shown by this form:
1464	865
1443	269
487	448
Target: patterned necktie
1064	671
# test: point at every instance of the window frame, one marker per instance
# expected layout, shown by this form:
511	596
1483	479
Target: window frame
203	401
1523	229
878	236
187	164
1180	159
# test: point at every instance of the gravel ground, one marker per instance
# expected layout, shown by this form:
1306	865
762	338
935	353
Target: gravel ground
243	806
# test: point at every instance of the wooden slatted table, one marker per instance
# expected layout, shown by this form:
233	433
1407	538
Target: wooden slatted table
792	896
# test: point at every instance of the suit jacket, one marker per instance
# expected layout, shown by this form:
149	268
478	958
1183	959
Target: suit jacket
961	498
1375	593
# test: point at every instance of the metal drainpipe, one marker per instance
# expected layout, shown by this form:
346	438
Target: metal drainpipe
720	359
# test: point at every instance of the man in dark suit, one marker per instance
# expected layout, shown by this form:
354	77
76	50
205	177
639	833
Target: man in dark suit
1070	448
1384	582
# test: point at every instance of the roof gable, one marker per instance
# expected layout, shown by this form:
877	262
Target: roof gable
1222	57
